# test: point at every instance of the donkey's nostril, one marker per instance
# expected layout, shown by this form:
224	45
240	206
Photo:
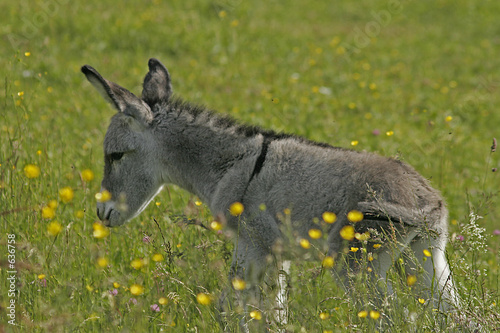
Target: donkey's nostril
107	214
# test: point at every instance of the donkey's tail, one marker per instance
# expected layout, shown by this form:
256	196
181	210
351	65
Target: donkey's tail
434	218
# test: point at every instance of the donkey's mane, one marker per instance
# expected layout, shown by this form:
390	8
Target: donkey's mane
196	114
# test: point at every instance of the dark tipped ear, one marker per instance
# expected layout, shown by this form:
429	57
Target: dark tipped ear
122	99
157	86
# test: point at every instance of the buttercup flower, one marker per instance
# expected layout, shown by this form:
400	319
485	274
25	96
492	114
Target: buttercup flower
328	262
158	257
355	216
87	175
329	217
236	209
48	213
54	228
315	233
239	284
203	299
100	231
347	232
305	243
136	289
374	315
411	280
362	314
31	171
66	194
255	314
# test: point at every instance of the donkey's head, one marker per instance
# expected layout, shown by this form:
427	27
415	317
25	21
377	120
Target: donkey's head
132	172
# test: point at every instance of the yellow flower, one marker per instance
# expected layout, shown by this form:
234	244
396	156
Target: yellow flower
376	246
329	217
158	257
203	299
315	233
79	214
137	263
27	54
328	262
66	194
100	231
389	133
102	262
374	315
411	280
163	300
421	300
216	225
235	23
305	243
427	253
354	249
323	315
41	276
239	284
355	216
87	175
48	212
103	196
116	285
347	232
31	171
362	314
370	257
255	314
198	203
136	289
448	119
354	142
222	14
53	204
351	105
54	228
362	237
236	209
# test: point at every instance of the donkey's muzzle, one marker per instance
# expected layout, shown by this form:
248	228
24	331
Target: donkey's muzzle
104	211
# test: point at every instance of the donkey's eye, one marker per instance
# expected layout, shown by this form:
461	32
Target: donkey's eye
115	157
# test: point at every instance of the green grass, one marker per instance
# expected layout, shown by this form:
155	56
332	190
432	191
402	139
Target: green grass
429	76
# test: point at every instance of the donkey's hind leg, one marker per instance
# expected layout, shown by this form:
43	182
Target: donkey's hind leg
436	275
387	256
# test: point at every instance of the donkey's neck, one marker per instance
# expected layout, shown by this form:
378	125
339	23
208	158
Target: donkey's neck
207	154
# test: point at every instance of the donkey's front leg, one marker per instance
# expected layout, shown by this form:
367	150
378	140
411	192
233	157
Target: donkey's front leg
250	261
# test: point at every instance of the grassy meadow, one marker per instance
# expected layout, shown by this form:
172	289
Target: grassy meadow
415	80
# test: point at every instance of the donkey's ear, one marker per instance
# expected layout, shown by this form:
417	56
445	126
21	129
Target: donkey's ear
122	99
157	86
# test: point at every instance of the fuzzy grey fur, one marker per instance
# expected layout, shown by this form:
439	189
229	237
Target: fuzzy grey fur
161	140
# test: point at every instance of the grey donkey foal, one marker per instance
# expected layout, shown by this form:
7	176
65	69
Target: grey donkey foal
158	139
